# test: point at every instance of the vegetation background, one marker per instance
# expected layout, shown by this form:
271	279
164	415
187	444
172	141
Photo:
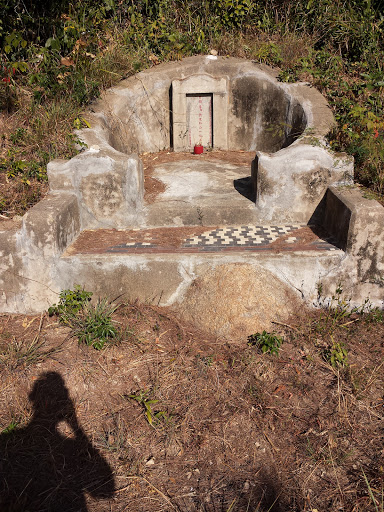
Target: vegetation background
58	56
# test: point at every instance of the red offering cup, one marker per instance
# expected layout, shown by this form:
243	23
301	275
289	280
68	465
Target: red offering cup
198	149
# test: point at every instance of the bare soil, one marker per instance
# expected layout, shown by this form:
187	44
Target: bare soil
236	430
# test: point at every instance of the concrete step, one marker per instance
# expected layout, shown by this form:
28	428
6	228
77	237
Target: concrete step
199	191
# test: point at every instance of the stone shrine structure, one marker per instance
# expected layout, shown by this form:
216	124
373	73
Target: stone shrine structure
294	215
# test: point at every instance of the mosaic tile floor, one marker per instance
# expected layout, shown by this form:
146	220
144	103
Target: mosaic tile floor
198	239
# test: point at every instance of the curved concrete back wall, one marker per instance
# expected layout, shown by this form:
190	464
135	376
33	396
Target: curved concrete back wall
262	114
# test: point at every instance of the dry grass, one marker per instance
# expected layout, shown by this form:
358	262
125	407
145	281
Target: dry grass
238	430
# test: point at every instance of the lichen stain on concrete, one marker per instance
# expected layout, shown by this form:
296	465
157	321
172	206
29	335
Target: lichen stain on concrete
368	265
103	194
315	182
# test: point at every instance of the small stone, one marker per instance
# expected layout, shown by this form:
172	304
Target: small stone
150	462
213	52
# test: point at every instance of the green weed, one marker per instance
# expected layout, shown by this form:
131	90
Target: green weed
92	324
336	354
266	342
21	353
11	427
143	398
70	303
378	502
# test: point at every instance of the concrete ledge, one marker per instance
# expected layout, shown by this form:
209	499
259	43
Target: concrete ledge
109	186
28	279
52	224
365	237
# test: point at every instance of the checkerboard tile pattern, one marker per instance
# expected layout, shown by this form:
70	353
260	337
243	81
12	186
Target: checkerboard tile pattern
229	238
246	236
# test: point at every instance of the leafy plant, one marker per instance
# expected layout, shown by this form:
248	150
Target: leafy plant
337	354
70	303
143	398
266	342
91	323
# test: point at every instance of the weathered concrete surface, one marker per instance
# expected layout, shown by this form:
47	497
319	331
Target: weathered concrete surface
291	183
11	286
361	232
234	300
261	113
166	278
28	271
200	192
109	186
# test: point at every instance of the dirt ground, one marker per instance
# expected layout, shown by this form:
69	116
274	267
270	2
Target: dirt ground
229	428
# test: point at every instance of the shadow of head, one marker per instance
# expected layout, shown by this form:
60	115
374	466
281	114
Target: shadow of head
50	398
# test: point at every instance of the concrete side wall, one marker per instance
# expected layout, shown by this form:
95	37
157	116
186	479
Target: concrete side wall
361	273
260	115
337	217
109	186
29	254
291	183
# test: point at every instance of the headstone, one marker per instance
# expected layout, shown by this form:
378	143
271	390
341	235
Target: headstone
199	119
199	112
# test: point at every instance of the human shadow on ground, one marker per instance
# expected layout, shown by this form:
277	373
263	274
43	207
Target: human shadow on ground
41	469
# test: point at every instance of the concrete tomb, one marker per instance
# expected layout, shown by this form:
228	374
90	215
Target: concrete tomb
154	230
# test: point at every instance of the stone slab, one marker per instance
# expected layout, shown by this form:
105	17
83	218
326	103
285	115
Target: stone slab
196	239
